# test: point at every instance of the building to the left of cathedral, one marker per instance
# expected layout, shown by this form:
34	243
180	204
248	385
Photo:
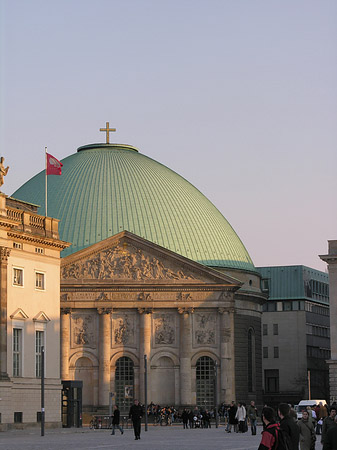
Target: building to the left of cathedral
30	310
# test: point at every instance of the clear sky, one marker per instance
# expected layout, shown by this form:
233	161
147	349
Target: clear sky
237	96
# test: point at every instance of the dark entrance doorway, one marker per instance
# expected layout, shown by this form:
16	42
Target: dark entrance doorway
72	404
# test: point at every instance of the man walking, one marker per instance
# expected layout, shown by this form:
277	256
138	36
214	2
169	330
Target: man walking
136	414
252	415
116	420
329	422
288	425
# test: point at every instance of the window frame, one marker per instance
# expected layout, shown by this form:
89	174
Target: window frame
21	269
17	369
38	354
40	272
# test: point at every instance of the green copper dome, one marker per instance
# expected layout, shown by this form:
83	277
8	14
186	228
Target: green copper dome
108	188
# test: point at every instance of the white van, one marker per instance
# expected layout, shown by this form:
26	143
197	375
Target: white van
302	406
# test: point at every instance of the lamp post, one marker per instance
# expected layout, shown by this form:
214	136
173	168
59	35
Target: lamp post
216	394
145	390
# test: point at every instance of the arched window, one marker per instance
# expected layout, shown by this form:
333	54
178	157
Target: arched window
124	383
251	360
205	382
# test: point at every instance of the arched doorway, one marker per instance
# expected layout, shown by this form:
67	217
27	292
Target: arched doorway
205	382
163	382
84	372
124	383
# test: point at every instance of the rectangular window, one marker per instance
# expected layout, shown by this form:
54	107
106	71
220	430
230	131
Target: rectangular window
18	277
39	250
17	245
39	343
40	281
265	352
265	329
17	352
18	417
275	329
272	306
271	381
287	306
276	353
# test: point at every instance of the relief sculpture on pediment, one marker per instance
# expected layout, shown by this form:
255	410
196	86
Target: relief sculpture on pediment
123	329
83	333
119	263
164	329
205	329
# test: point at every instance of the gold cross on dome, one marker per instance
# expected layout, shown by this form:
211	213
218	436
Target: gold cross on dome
107	130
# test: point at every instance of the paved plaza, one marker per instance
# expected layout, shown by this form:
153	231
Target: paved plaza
170	438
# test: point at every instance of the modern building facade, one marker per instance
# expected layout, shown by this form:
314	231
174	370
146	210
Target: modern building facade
154	270
295	334
30	314
331	260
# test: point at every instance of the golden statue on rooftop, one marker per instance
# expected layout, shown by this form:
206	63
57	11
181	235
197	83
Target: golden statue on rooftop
3	170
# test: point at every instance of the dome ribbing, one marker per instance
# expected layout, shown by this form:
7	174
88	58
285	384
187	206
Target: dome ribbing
107	188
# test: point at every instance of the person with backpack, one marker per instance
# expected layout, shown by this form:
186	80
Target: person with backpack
288	426
269	439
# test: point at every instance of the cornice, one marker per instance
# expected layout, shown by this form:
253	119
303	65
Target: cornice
146	288
48	242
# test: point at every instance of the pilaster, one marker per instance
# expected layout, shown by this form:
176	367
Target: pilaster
144	349
4	255
185	356
104	356
227	352
65	342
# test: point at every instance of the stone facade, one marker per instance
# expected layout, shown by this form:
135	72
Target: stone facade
331	260
126	297
30	310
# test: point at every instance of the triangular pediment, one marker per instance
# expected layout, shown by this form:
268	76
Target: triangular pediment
127	258
41	317
19	314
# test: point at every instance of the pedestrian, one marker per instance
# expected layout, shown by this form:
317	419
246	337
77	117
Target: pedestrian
190	418
241	417
328	423
252	415
207	419
136	414
270	430
307	432
288	425
116	420
231	418
331	438
184	417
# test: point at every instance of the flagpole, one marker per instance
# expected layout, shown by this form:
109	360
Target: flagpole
46	194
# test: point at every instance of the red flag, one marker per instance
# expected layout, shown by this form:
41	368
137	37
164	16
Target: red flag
54	166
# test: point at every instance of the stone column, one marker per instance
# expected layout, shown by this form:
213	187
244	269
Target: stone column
104	356
4	255
227	355
144	349
185	356
331	259
65	342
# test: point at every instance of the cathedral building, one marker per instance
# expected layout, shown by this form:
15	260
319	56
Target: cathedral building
154	270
